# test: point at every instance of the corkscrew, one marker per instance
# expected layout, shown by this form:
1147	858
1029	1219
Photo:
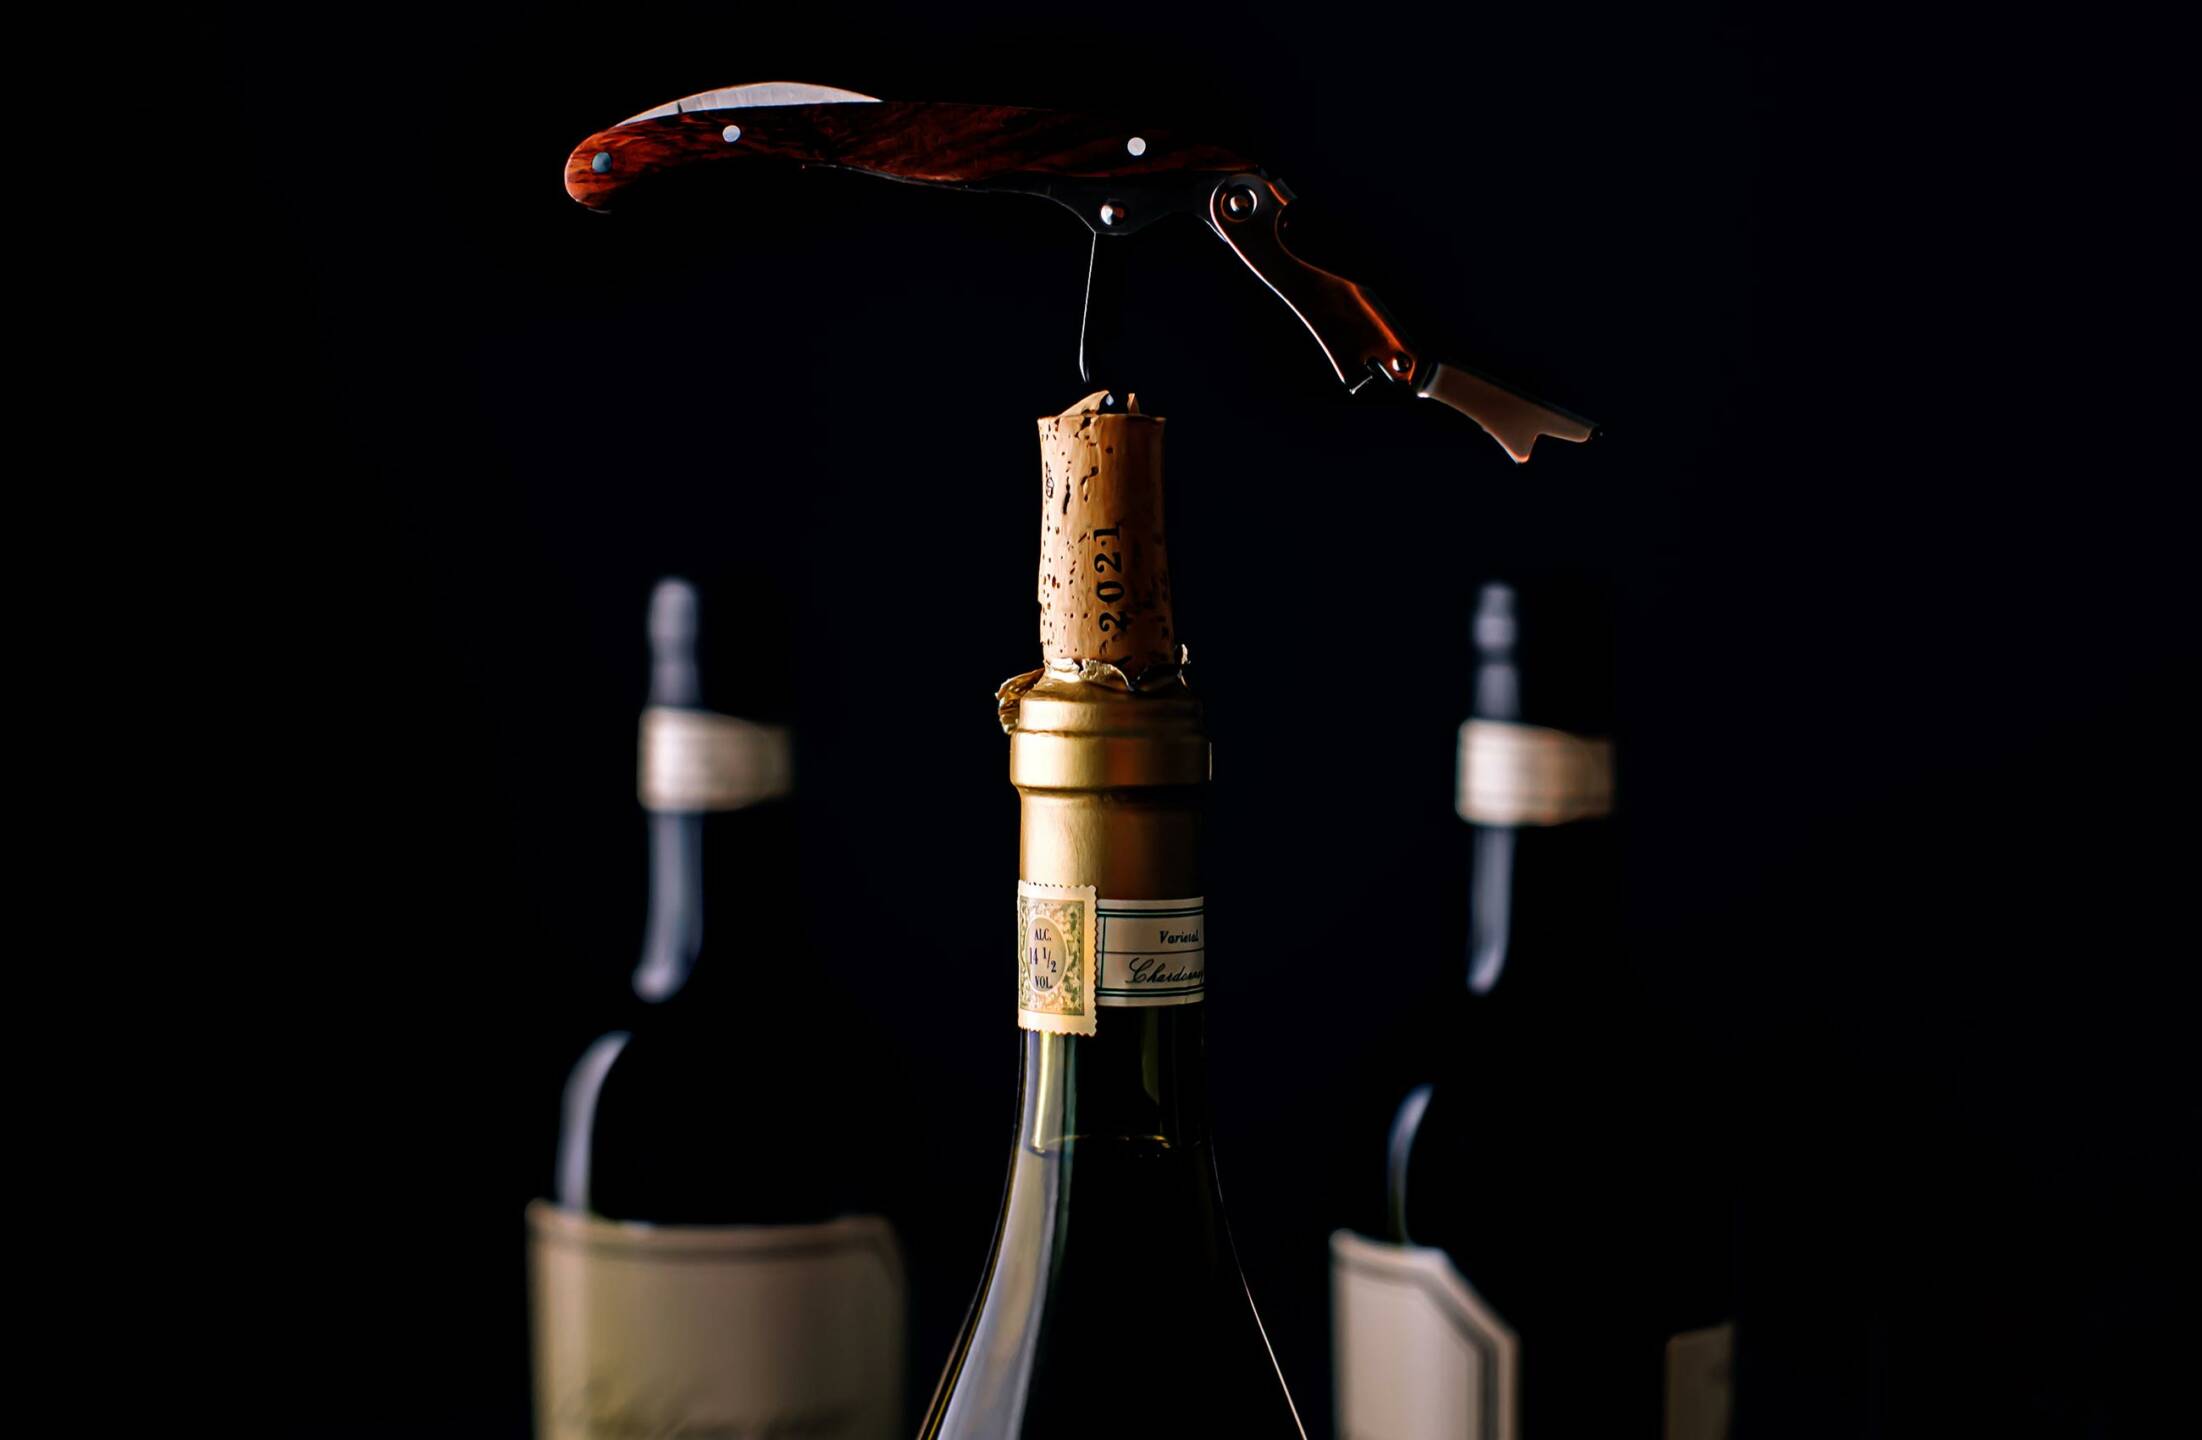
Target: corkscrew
1117	180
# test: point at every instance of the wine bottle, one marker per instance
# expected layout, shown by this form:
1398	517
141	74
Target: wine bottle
693	1270
1554	1262
1112	1302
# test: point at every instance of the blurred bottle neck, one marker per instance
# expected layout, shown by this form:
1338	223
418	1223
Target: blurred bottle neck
1535	784
1544	902
672	936
723	897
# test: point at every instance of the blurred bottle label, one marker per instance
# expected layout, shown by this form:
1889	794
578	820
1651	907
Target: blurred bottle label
1528	775
1418	1354
1153	952
701	760
1700	1383
722	1331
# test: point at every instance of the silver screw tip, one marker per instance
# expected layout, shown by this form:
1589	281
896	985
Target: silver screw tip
1136	145
601	161
731	134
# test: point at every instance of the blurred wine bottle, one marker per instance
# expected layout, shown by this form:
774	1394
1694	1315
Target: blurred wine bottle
695	1270
1554	1259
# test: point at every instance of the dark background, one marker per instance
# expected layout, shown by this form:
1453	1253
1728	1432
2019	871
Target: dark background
1904	758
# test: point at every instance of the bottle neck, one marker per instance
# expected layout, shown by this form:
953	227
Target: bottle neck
1543	911
733	869
672	936
1536	785
1141	1079
1111	792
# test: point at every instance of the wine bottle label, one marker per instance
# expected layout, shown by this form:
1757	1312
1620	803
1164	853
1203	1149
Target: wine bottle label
1057	959
1417	1353
1153	952
1528	775
1077	953
701	760
1700	1383
744	1330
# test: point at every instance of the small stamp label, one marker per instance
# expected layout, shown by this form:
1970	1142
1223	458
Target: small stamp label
1153	952
1057	959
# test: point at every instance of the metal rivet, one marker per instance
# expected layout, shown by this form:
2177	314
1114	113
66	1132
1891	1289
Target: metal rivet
1136	145
1113	212
1401	364
1239	202
601	162
731	134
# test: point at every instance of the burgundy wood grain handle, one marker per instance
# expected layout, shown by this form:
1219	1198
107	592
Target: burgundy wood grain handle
928	142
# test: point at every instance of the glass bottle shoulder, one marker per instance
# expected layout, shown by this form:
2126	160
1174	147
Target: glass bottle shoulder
673	1120
1112	1301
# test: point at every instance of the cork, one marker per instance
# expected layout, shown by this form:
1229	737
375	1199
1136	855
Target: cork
1104	565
